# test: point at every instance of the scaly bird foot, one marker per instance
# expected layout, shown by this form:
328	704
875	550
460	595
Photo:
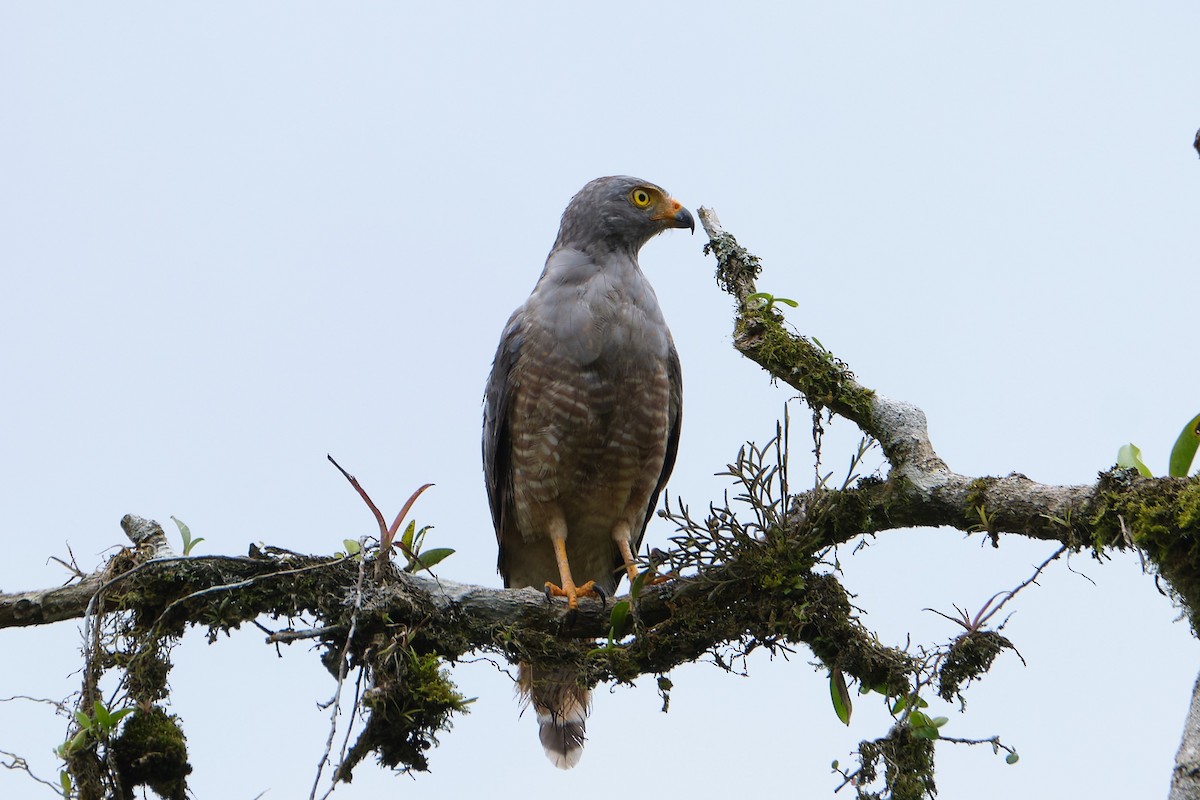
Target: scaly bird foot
572	592
649	580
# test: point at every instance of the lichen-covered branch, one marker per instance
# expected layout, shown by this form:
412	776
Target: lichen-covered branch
758	576
1160	516
401	628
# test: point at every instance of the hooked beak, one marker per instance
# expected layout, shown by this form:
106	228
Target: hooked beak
674	215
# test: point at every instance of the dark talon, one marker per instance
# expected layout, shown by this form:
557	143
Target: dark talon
603	595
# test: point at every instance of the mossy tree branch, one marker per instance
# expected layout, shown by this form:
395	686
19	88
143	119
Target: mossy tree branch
750	577
1160	516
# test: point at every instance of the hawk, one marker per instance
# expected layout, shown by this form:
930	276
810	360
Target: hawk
581	422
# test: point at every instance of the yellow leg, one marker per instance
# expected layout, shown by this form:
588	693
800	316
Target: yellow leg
631	565
627	556
568	589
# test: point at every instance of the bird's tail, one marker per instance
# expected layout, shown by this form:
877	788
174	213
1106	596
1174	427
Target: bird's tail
562	707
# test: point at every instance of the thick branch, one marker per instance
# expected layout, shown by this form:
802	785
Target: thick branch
826	382
1160	516
746	586
453	618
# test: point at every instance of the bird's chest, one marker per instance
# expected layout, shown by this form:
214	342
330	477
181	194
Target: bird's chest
590	415
587	424
591	396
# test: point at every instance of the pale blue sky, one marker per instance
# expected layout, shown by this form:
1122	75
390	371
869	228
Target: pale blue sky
237	237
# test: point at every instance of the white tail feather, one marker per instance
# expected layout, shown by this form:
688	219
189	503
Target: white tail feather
562	709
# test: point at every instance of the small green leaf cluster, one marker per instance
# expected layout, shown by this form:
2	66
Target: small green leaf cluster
764	301
186	534
619	616
909	709
924	726
96	727
1183	453
412	540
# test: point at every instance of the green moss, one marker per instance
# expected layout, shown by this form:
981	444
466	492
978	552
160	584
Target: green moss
970	656
411	700
824	379
1161	516
907	762
976	492
152	751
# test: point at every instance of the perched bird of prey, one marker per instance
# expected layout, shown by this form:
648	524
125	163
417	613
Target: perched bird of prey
581	422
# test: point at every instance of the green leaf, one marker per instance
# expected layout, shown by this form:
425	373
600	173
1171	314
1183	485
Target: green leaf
185	533
407	539
74	744
420	537
900	704
926	732
758	300
102	716
787	301
1130	457
840	694
118	716
83	720
616	619
1012	758
431	557
1184	450
64	779
635	588
938	722
352	546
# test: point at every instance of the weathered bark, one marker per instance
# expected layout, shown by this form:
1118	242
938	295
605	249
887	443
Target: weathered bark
1185	779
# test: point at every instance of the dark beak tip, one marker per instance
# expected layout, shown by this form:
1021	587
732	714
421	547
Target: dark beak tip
684	219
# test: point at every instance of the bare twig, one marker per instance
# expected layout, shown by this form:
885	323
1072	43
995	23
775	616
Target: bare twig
15	762
343	666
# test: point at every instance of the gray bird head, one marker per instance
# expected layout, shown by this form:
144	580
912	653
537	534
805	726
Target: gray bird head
620	213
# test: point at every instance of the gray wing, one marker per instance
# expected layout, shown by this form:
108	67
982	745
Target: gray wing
675	420
497	445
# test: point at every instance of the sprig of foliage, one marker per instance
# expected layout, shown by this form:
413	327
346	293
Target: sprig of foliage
412	544
764	301
186	534
96	727
410	541
1183	453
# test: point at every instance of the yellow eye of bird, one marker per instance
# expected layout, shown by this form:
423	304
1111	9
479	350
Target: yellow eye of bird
640	198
